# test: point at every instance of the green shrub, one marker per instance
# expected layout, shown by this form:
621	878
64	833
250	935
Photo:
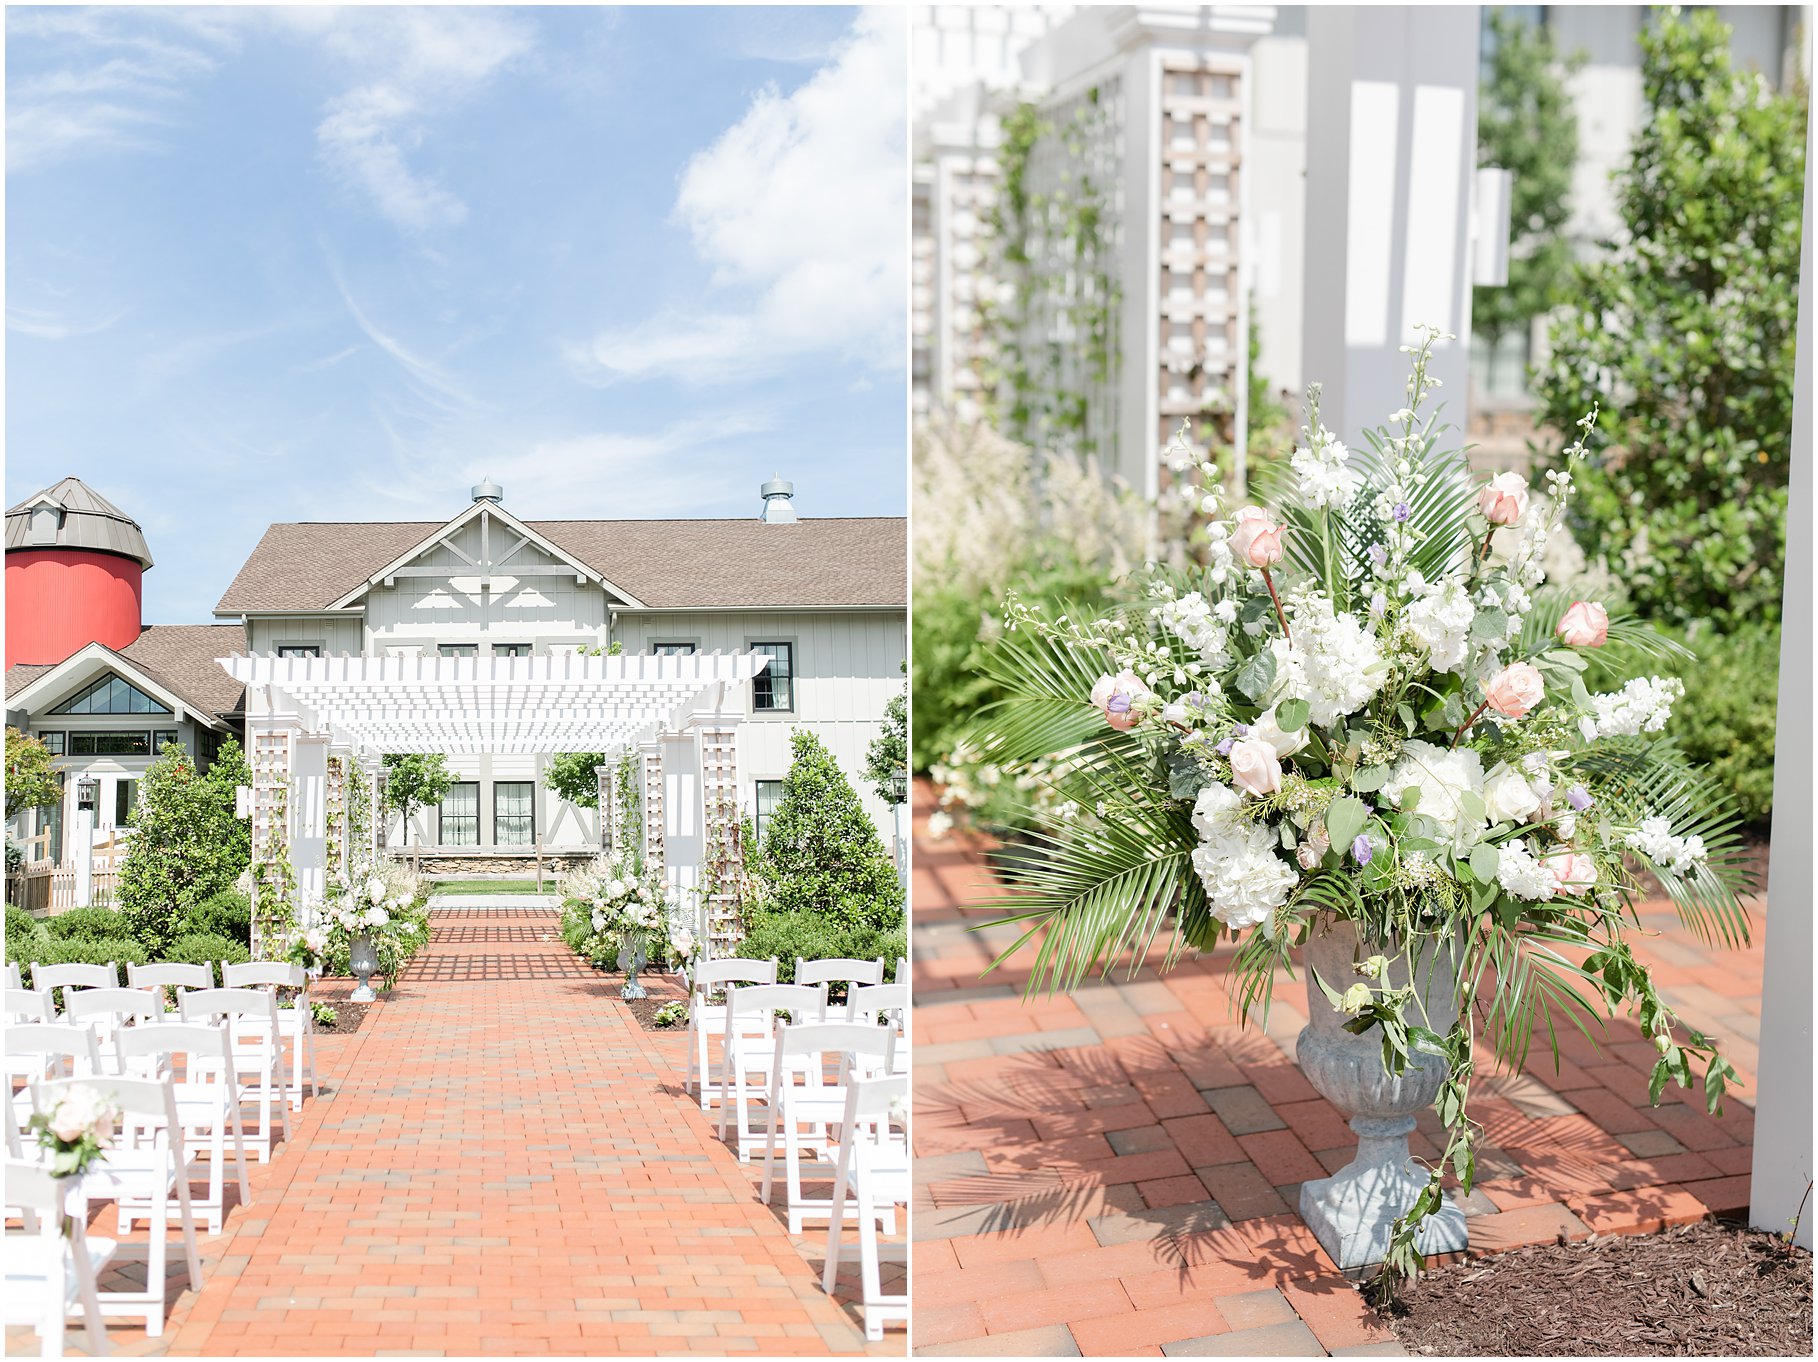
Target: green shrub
226	914
817	936
94	923
187	845
205	948
1725	721
821	851
26	939
97	951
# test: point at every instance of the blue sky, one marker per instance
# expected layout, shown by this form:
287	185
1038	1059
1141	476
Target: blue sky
291	264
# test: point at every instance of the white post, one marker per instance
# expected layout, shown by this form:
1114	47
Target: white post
1781	1176
1391	151
85	850
602	776
309	820
650	768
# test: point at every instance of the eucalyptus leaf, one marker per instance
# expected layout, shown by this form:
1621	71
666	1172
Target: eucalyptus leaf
1345	819
1485	861
1369	779
1405	712
1257	674
1291	715
1184	776
1472	804
1410	798
1489	624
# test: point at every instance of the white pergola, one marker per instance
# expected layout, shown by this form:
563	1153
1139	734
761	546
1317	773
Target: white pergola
313	724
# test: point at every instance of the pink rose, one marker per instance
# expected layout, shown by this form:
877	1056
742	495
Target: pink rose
1575	871
1255	767
1586	625
1515	690
1504	500
1117	697
1256	539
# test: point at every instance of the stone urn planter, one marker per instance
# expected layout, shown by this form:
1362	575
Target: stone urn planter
632	959
1351	1212
363	961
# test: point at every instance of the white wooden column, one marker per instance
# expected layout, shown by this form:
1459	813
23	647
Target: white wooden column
1781	1175
650	767
718	737
603	784
371	771
309	819
269	742
684	837
1391	152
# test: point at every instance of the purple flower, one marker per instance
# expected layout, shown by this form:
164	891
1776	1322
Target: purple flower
1361	850
1118	704
1403	510
1194	698
1241	730
1224	748
1578	799
1378	554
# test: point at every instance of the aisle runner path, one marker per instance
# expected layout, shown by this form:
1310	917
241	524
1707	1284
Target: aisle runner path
504	1168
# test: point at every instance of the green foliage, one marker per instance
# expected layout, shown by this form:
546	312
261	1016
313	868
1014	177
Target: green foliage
206	948
416	781
226	914
887	758
1527	124
94	923
817	936
1690	317
1725	722
31	780
187	844
821	852
571	776
98	951
670	1014
26	939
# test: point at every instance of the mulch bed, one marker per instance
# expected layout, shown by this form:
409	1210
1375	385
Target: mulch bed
348	1016
1710	1289
645	1009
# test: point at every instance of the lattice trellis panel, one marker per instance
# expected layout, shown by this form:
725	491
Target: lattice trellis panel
339	862
608	805
271	767
720	798
1201	342
654	824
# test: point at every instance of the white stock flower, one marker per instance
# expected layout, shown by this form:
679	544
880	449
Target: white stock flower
1192	620
1642	706
375	889
1526	878
1441	620
1442	777
1333	662
1676	855
1321	466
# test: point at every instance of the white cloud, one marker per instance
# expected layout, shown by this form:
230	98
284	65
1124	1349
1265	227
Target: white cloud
49	326
412	64
801	204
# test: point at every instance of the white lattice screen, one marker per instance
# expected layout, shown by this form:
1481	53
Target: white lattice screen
720	797
654	824
271	767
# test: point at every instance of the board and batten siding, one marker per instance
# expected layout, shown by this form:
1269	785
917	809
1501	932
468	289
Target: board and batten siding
848	666
335	635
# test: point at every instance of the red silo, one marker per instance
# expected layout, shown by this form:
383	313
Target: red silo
74	569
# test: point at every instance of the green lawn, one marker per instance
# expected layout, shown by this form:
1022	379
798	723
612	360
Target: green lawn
491	886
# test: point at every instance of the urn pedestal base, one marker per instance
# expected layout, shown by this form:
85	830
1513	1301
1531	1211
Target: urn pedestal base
631	960
1350	1212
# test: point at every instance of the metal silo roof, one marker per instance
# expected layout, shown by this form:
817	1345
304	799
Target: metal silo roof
89	521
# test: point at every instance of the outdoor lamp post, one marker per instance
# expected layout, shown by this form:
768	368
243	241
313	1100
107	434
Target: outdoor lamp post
88	799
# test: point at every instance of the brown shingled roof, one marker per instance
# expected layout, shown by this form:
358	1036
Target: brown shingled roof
666	564
180	657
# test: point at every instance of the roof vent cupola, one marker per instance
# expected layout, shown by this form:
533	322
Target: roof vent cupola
779	501
488	490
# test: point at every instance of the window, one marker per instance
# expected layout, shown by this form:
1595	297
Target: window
672	649
53	743
110	695
50	822
162	736
511	650
110	744
458	649
769	795
299	650
774	687
514	812
124	792
459	816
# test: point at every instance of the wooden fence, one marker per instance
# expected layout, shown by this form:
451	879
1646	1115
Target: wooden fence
41	886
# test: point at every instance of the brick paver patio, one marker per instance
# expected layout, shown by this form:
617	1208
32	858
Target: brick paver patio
1117	1172
502	1164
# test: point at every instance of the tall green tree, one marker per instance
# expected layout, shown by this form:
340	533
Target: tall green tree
821	852
571	776
887	758
1527	125
415	780
1683	331
187	844
31	779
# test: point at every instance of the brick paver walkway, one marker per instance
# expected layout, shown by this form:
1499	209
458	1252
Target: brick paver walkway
502	1165
1117	1172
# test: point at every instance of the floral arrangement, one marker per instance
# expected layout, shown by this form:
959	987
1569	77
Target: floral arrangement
1366	706
78	1130
387	903
609	905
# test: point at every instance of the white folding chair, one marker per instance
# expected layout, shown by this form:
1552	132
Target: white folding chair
46	1050
707	1019
49	978
109	1011
296	1023
749	1046
169	982
13	978
851	973
25	1006
872	1167
146	1163
208	1101
49	1275
801	1052
250	1017
902	970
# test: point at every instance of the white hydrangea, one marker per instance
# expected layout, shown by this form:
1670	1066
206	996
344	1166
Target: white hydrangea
1192	620
1642	706
1245	880
1442	776
1215	811
1522	875
1321	465
1441	620
1676	855
1333	663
